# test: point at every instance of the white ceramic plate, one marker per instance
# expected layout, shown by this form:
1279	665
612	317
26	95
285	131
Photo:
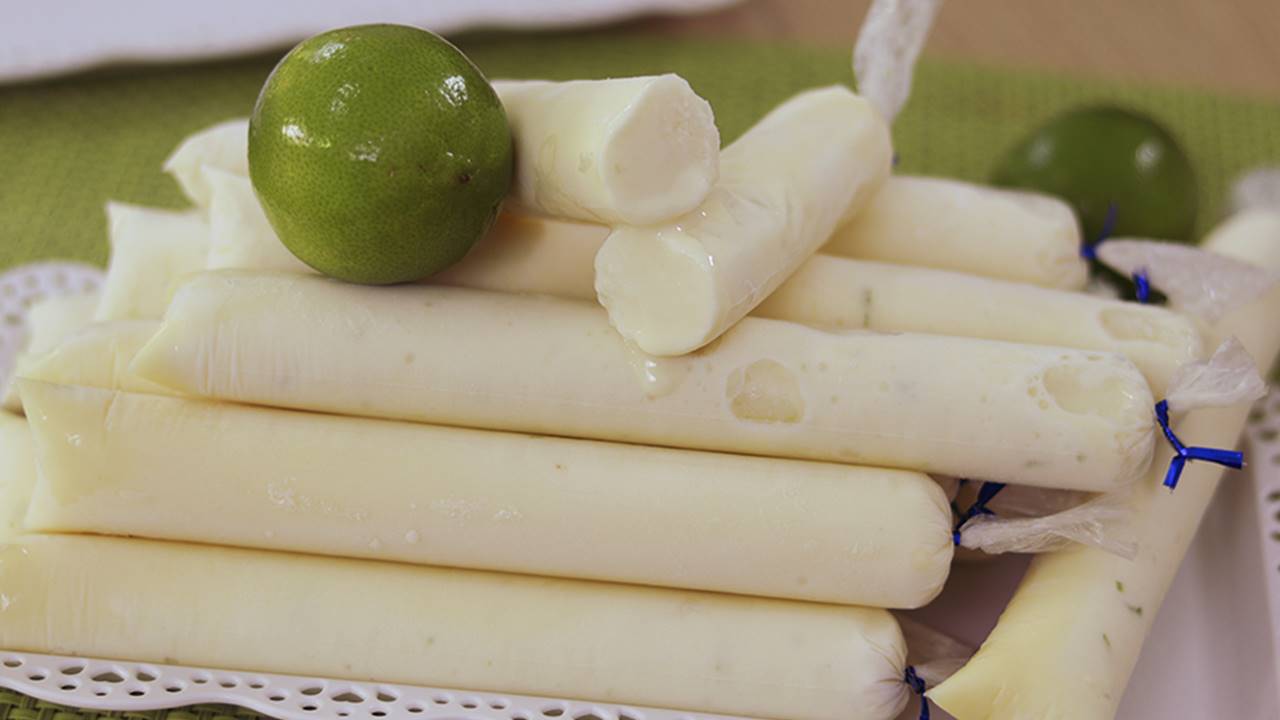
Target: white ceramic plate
1212	652
40	38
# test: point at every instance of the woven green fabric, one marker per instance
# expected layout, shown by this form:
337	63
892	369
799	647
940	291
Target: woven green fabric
15	706
71	144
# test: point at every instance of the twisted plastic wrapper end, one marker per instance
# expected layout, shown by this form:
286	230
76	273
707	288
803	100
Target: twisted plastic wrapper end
1228	378
934	655
884	58
1201	283
1103	522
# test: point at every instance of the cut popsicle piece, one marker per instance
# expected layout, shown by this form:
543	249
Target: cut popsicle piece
486	500
953	225
957	406
224	145
240	236
784	187
49	321
628	150
98	356
151	251
1068	641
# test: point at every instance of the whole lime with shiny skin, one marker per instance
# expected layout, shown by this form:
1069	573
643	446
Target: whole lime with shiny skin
1106	159
380	153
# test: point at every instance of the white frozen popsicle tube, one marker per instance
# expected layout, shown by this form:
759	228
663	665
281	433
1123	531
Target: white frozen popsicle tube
785	185
531	254
240	236
953	225
98	356
627	150
1068	641
154	601
958	406
282	480
833	292
224	145
151	251
49	321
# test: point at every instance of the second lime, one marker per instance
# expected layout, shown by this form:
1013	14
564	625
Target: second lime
1106	160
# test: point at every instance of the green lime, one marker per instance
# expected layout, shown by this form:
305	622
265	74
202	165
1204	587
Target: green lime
1108	160
379	152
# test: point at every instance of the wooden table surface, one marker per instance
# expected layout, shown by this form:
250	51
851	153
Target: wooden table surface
1229	45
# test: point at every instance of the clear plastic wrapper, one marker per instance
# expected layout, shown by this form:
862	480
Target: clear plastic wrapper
1102	521
1228	378
933	654
884	58
1203	284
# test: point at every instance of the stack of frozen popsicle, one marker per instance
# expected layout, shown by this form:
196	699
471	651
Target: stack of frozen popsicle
697	492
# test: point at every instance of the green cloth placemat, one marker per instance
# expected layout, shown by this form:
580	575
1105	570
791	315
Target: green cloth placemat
69	145
15	706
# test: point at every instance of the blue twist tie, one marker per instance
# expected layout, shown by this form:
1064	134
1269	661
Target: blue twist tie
916	684
1143	286
1184	454
955	508
986	494
1090	252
